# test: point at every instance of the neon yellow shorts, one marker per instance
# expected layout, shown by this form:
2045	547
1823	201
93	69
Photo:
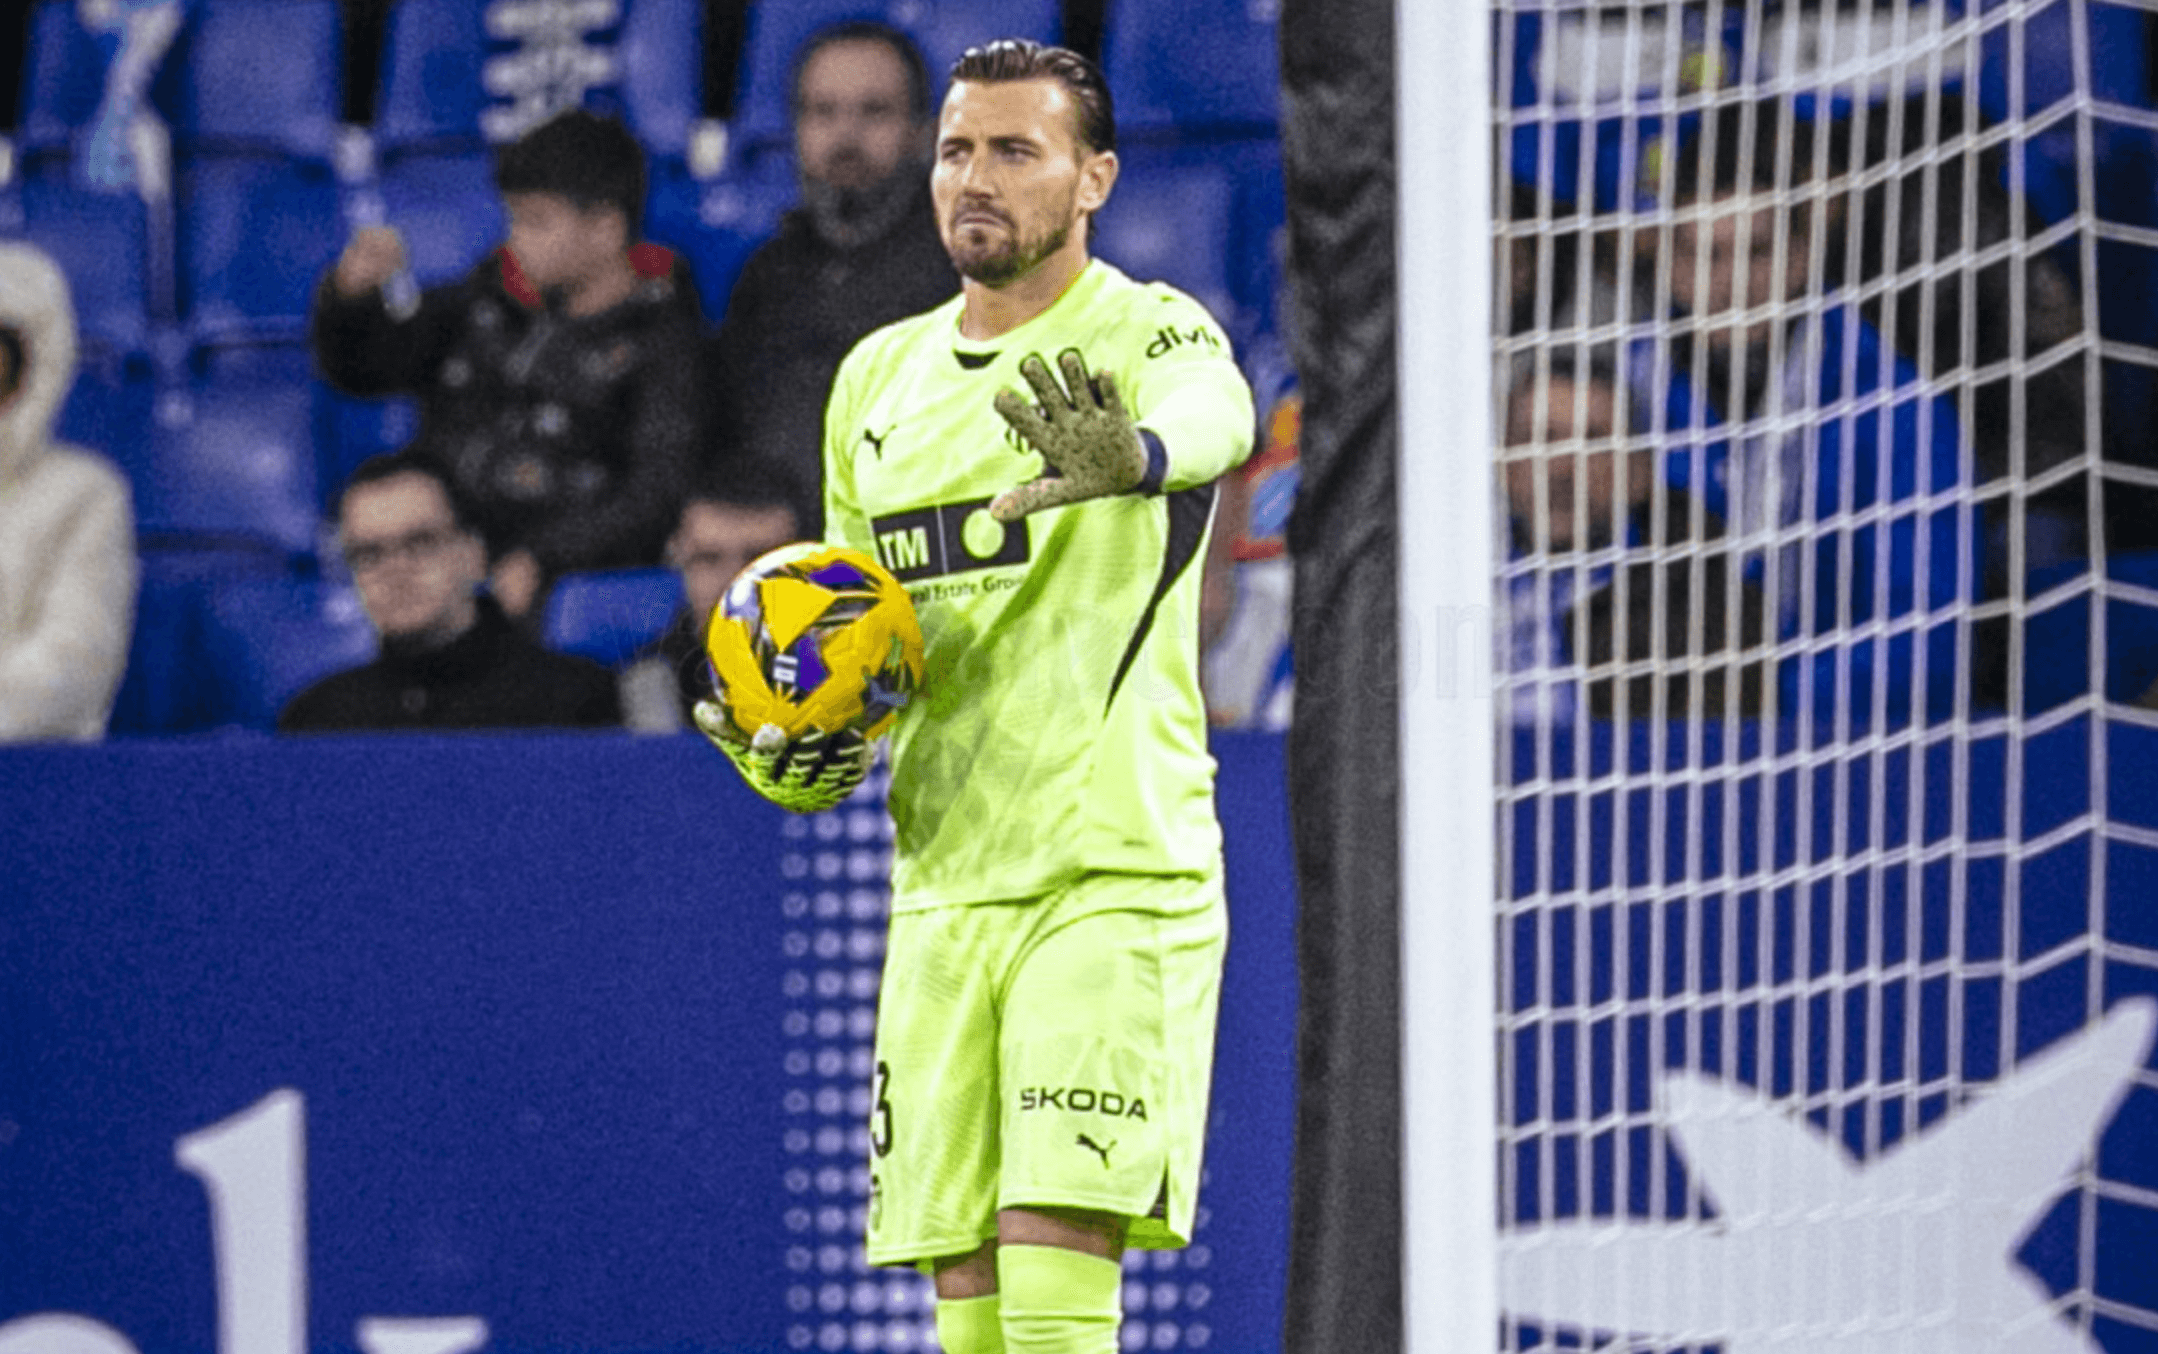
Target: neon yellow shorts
1055	1052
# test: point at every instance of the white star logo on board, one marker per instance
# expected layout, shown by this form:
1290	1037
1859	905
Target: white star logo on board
1814	1253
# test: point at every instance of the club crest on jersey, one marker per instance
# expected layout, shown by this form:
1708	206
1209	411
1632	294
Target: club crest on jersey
1082	1100
947	538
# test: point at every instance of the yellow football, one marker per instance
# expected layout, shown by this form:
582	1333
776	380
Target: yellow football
814	636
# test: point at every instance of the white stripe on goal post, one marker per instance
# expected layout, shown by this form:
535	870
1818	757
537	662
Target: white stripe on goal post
1442	116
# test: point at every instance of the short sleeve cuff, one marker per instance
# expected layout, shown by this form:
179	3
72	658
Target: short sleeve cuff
1157	463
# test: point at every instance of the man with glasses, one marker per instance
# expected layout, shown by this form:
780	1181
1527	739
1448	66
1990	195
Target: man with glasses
450	658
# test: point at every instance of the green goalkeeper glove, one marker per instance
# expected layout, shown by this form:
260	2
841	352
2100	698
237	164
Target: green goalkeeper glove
1092	447
806	775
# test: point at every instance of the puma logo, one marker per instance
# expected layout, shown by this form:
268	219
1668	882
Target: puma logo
1098	1149
876	440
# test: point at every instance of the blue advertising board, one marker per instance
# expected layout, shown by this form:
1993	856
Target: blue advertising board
538	1043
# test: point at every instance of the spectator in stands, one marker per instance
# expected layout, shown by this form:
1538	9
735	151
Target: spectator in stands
450	658
724	526
1605	563
859	251
67	534
556	380
1785	407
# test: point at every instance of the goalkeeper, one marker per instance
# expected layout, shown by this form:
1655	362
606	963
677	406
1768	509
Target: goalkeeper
1035	459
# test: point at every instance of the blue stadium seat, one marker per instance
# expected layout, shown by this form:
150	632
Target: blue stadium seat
63	77
717	223
345	429
101	241
1199	65
1206	218
451	69
108	410
278	365
447	209
169	687
608	615
1173	221
661	73
267	639
447	69
256	232
433	53
261	74
231	457
1259	246
351	429
943	28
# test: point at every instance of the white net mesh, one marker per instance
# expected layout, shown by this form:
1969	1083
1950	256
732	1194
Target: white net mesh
1827	630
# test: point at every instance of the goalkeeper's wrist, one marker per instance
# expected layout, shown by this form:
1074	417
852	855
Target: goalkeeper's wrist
1156	472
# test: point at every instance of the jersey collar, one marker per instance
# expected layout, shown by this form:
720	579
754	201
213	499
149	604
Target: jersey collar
974	356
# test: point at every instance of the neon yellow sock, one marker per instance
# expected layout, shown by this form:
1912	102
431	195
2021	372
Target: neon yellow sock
1058	1301
969	1325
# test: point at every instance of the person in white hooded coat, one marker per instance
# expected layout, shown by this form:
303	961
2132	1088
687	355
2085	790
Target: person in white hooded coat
67	537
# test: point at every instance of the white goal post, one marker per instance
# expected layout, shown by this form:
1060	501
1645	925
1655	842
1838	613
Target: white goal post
1778	517
1442	70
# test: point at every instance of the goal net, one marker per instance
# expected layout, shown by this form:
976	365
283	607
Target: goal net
1826	632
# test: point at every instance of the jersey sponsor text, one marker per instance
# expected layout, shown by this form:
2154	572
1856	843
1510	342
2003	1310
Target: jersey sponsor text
1082	1100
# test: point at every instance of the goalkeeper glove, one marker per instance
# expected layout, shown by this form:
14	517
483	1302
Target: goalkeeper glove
1088	439
805	775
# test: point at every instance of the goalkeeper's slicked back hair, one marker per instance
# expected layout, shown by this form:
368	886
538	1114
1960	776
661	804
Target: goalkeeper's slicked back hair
591	160
1020	59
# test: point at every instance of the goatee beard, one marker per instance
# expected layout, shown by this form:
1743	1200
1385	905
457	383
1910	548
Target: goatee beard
1011	262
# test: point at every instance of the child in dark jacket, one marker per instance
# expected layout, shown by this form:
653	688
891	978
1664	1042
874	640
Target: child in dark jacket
557	379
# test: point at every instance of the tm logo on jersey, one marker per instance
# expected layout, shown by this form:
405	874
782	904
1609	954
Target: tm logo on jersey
1082	1100
948	538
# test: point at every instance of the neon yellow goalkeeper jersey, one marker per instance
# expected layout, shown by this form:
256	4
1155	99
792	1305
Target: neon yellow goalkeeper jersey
1060	728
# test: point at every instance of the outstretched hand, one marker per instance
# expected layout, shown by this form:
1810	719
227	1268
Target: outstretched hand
1081	429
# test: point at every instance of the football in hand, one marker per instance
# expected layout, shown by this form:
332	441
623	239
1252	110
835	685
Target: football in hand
814	637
